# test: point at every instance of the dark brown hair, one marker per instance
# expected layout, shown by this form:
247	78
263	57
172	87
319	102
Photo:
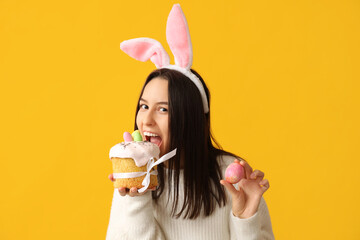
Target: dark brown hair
190	133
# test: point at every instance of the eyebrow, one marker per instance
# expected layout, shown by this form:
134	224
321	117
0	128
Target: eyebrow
161	103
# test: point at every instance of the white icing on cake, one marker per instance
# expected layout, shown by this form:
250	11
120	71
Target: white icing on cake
141	152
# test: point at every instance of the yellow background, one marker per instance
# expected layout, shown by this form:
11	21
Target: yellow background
284	77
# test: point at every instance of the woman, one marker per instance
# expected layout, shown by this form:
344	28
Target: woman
190	202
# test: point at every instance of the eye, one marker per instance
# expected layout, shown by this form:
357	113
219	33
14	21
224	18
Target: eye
144	106
163	109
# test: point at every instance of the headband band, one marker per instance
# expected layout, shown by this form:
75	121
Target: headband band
178	38
195	80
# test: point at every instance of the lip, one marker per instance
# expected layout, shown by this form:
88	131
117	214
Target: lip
150	132
147	138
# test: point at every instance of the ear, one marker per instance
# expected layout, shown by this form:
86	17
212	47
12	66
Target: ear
143	49
178	37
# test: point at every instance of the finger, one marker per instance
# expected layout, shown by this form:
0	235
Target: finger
137	193
232	190
243	183
122	191
257	174
133	192
248	169
265	185
236	161
111	177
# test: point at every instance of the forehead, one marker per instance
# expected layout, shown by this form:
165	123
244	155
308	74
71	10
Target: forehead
156	90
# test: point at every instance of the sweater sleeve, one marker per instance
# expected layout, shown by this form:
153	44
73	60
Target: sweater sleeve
132	218
256	227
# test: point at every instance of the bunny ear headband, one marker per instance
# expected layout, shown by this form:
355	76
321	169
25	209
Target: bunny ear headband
178	38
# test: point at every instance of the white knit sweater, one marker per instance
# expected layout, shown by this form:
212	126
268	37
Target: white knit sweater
140	218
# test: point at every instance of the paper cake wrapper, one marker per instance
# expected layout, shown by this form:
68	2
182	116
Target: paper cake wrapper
124	165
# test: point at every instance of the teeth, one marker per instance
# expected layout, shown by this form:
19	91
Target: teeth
150	134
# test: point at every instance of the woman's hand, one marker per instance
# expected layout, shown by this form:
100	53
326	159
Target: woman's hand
246	200
131	192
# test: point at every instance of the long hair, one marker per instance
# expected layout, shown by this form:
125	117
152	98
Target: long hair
190	133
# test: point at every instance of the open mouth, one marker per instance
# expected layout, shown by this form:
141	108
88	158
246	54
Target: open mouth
153	138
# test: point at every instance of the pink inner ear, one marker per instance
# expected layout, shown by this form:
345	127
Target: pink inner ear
178	37
143	49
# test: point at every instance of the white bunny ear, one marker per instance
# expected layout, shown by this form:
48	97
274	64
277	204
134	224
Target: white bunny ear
178	37
143	49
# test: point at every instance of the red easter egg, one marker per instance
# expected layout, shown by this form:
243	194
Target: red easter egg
234	173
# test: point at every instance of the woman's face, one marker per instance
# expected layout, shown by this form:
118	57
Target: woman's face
152	117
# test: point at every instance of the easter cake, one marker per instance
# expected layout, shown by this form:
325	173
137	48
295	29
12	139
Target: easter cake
132	157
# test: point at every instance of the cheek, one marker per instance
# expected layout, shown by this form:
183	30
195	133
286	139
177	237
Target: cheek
166	136
165	125
137	120
165	130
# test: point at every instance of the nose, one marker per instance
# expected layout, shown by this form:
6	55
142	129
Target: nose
149	118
